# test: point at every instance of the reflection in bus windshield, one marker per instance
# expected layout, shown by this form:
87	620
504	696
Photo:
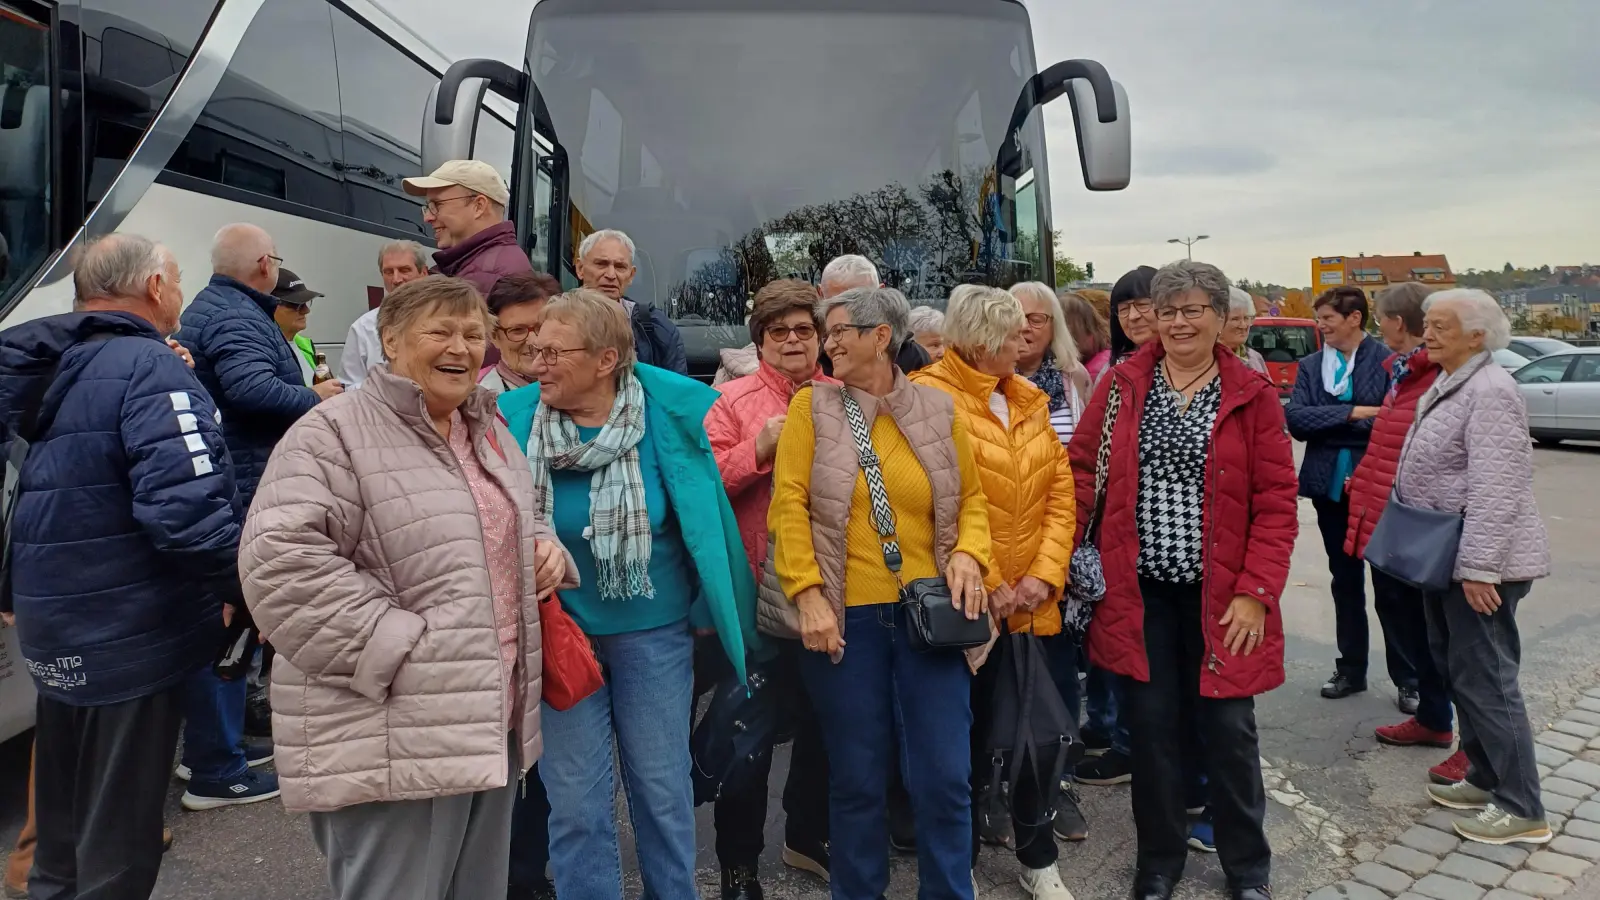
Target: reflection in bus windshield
1283	343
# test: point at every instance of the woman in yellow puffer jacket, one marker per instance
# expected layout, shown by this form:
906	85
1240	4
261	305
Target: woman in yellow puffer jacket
1027	481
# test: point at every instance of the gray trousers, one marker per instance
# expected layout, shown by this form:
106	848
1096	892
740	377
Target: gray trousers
448	848
1479	657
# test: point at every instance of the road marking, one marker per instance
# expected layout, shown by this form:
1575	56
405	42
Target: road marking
1316	821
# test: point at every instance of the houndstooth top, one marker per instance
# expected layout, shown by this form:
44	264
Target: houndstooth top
1173	447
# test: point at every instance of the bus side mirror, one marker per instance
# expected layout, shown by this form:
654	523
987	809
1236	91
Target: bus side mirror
450	121
1104	148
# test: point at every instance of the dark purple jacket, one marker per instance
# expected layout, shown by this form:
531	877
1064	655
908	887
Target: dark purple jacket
484	258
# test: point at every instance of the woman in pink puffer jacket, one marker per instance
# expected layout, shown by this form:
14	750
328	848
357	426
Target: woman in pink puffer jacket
744	425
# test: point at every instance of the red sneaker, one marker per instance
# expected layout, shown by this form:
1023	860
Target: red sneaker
1450	771
1410	733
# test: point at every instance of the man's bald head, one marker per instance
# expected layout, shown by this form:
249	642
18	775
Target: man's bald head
247	254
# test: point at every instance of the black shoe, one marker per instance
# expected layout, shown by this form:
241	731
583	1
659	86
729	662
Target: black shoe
1409	700
1250	893
740	883
1154	887
1070	825
1113	767
994	820
1341	686
541	890
807	856
1095	743
258	715
902	830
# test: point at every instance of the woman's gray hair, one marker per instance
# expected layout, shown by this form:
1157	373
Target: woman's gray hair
1176	279
1478	311
1062	347
117	266
1239	300
418	253
870	307
980	318
925	320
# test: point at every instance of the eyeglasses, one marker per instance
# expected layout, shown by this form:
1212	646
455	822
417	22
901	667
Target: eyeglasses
781	333
276	259
1038	320
1191	313
837	332
1142	307
432	206
552	355
516	333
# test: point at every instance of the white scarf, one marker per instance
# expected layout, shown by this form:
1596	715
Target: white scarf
1337	370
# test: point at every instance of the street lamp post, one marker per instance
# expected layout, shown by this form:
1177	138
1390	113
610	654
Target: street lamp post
1189	242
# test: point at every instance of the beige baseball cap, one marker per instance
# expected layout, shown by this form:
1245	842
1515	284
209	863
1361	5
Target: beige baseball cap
478	177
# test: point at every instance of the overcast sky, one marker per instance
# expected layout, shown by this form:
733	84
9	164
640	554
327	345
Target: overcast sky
1287	129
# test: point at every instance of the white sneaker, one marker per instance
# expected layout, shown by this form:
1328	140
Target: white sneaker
1044	884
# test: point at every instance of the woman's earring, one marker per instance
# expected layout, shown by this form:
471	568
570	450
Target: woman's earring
880	356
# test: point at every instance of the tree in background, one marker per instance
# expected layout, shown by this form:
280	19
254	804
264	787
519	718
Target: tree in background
1294	305
1543	322
1067	270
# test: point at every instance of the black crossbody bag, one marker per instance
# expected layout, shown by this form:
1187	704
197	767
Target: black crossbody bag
936	624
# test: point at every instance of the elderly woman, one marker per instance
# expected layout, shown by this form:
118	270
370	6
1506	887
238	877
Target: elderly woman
1236	331
1027	482
1199	522
515	303
829	516
1090	333
1399	605
621	466
1468	453
744	425
1049	357
395	557
927	329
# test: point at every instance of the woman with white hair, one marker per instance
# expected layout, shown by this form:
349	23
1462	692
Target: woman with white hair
927	329
1468	454
1236	331
1027	483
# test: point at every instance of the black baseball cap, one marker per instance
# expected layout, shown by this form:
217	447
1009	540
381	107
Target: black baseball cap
292	290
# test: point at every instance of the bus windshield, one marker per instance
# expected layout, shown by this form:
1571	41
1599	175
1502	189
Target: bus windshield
738	145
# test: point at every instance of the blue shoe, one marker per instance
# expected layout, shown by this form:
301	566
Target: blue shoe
1202	836
250	787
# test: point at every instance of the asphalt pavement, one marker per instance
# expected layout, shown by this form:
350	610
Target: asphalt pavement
1337	795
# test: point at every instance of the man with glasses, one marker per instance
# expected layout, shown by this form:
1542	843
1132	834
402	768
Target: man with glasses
467	210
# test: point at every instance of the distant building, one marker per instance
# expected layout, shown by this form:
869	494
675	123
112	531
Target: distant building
1562	301
1374	273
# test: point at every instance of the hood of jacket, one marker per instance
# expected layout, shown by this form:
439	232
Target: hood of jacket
30	352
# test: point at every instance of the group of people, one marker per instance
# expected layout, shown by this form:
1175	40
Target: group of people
502	455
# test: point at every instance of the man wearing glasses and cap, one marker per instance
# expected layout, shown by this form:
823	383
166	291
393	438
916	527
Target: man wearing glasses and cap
467	210
294	308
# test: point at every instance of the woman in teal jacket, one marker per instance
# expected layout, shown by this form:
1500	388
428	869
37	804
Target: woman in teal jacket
625	473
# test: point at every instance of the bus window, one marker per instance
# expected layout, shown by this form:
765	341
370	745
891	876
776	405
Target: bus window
25	127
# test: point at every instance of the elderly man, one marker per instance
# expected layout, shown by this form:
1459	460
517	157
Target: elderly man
605	264
124	537
398	262
467	210
253	376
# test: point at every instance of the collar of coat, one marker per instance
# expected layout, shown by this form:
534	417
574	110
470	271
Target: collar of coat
1240	383
1024	398
780	384
402	395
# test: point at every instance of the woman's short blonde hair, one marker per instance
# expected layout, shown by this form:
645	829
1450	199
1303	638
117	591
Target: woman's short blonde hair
602	321
981	318
438	295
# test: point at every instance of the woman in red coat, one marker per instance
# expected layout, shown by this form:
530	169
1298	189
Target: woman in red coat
1198	525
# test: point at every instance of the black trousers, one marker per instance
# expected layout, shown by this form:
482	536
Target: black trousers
100	783
1350	597
1405	634
741	816
1036	843
1163	714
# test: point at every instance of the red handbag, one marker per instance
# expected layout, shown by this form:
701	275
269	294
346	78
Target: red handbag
571	671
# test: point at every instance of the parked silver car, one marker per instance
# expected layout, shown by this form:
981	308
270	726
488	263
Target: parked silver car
1562	391
1535	347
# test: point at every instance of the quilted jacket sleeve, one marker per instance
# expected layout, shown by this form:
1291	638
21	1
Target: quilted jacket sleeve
1059	527
248	374
1274	508
973	536
1499	476
1307	419
184	497
306	594
736	457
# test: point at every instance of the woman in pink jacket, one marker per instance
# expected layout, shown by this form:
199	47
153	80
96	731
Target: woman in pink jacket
744	425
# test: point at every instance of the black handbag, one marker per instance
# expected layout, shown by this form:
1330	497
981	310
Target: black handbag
1416	546
936	623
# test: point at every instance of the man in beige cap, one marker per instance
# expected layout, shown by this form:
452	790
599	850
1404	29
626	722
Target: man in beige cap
467	209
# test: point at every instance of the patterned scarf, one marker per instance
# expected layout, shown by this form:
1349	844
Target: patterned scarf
511	378
619	530
1401	368
1048	379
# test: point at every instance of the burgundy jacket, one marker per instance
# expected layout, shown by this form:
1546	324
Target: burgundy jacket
1249	528
484	258
1373	479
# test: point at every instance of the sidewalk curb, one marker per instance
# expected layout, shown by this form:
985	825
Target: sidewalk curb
1430	862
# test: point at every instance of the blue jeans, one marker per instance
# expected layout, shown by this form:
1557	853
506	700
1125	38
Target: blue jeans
643	712
213	712
882	684
1102	702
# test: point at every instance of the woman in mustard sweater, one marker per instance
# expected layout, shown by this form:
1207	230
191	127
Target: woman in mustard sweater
830	561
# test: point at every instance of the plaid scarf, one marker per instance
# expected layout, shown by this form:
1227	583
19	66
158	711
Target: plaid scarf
619	529
1048	379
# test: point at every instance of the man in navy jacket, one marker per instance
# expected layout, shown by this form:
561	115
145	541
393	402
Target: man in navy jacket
124	538
1337	394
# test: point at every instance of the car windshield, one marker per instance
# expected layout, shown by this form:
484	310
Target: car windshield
738	145
1283	343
